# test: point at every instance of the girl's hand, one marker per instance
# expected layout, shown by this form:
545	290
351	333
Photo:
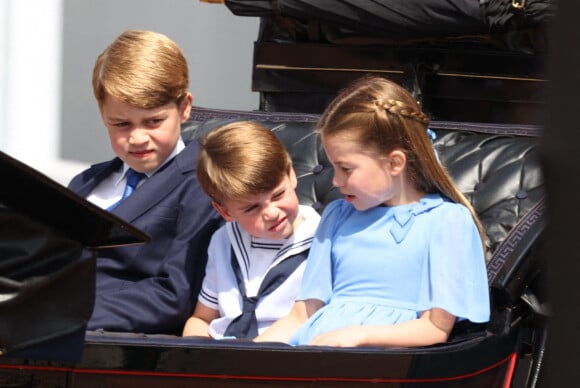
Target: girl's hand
432	327
346	337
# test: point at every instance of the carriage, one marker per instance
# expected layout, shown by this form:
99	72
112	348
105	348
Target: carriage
486	100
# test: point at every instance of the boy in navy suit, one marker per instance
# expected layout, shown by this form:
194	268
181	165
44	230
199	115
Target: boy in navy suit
141	84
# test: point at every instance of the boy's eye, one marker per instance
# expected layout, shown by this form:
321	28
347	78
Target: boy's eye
250	208
155	122
121	124
279	194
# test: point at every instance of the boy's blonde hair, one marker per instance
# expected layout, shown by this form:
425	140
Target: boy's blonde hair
241	159
145	69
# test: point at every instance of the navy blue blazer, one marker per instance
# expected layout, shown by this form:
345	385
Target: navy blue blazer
153	288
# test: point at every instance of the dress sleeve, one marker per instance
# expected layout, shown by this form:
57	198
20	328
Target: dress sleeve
458	275
317	279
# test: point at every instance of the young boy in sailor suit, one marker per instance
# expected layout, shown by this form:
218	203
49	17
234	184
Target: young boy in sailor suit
256	260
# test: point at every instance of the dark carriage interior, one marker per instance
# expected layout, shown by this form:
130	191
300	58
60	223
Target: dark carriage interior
496	166
464	60
485	90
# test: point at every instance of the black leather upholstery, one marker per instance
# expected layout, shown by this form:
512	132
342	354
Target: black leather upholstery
496	166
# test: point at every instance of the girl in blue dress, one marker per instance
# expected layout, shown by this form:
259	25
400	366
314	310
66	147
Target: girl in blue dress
400	258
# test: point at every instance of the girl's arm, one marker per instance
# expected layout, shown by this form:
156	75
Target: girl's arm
282	329
432	327
198	323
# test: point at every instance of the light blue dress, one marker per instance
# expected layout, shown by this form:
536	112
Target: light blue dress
388	264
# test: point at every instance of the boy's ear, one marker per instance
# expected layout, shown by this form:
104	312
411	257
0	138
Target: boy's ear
185	107
222	211
397	161
292	176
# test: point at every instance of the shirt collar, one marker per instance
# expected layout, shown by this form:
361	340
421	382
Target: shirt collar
178	148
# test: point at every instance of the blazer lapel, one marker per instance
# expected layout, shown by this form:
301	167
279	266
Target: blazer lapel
92	177
159	186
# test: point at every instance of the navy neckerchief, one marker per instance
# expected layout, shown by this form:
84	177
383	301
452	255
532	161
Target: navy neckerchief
246	325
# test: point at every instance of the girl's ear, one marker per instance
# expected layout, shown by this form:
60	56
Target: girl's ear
397	162
185	107
222	211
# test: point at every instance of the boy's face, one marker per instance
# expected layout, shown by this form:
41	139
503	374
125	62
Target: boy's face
272	215
144	138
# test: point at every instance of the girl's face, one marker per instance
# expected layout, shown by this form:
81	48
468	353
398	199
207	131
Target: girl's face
272	215
364	180
144	138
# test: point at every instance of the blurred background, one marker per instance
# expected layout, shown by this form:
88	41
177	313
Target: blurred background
48	116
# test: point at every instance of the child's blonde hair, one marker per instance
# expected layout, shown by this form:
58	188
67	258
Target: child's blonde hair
240	160
145	69
382	116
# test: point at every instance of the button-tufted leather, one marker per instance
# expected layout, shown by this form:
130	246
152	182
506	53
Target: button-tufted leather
496	166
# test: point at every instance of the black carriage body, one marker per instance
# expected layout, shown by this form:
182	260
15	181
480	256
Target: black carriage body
497	166
485	93
472	61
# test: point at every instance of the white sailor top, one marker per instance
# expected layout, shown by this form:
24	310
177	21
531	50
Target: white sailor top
255	257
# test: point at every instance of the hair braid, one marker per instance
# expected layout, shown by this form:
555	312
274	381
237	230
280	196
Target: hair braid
386	116
400	108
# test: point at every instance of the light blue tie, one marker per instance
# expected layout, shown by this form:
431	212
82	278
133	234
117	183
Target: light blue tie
133	178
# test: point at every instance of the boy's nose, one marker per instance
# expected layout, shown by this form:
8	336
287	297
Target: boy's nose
270	212
137	136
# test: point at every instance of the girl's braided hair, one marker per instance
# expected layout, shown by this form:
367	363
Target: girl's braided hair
383	116
399	108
